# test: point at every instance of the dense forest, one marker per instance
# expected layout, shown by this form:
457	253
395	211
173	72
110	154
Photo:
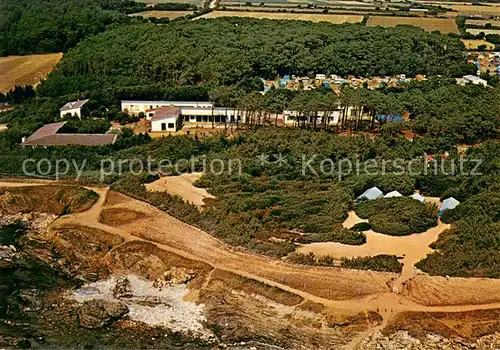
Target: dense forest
29	27
227	51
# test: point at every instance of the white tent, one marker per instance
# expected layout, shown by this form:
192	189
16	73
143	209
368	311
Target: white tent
418	197
448	203
393	194
371	193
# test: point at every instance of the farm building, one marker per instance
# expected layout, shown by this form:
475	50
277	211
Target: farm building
73	108
418	197
47	136
447	204
393	194
166	119
371	193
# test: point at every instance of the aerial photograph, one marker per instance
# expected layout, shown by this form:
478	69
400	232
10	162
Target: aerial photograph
250	175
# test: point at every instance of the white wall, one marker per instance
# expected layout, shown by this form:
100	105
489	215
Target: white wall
77	111
170	124
290	117
135	107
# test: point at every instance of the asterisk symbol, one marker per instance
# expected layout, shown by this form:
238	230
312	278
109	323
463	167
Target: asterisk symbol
263	159
280	160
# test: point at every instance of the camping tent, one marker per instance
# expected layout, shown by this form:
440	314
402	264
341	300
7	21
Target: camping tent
448	203
418	197
371	193
393	194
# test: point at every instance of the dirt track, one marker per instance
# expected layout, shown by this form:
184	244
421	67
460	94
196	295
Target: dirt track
340	289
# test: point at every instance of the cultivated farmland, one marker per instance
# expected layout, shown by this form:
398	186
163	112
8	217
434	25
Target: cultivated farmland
444	25
483	22
336	19
162	14
474	10
476	31
25	70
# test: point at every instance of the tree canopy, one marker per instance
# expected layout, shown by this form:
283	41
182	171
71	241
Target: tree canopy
225	51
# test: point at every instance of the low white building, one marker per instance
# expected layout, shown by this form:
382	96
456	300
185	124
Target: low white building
73	108
166	119
147	107
472	79
193	114
294	117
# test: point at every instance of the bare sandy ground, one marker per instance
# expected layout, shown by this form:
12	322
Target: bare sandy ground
412	248
452	291
183	187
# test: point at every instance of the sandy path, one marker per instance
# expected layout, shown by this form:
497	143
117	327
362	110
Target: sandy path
412	248
182	186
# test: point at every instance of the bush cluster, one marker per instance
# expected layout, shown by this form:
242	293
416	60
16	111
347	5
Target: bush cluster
398	216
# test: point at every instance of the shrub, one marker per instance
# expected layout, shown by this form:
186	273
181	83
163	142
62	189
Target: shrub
398	216
383	262
361	226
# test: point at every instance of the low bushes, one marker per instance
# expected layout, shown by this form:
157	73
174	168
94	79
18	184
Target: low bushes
362	226
383	262
343	236
398	216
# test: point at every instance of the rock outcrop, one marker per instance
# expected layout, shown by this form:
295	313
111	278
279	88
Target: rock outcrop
95	314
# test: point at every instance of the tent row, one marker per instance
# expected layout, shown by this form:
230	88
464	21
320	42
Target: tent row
375	193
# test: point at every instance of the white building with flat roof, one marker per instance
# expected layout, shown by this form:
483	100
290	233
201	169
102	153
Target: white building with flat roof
472	79
134	107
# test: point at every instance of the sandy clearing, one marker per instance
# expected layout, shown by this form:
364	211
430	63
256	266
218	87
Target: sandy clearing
412	248
162	14
25	70
183	187
444	25
336	19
